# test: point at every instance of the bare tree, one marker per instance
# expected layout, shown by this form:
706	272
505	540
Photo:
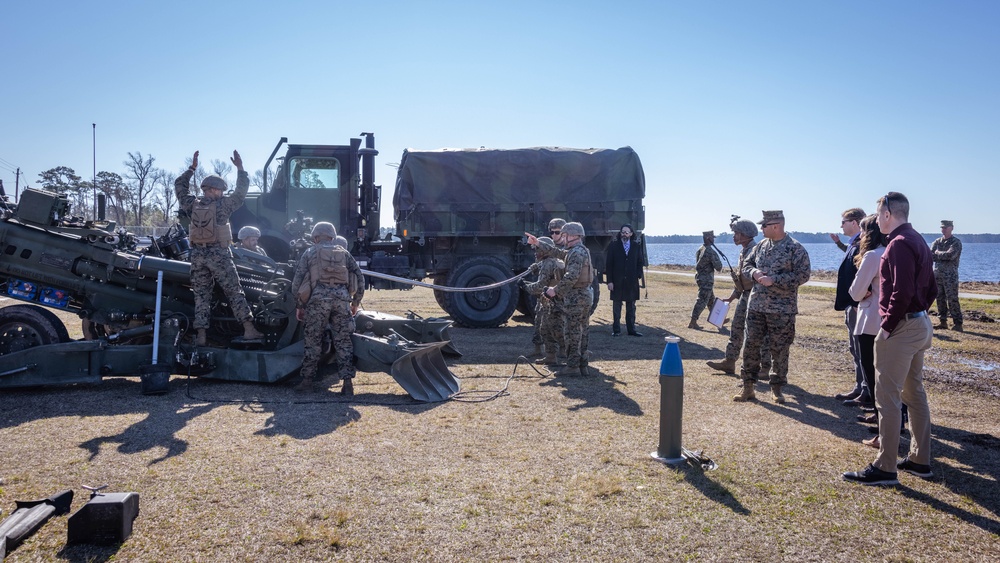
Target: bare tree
222	168
167	199
116	192
139	170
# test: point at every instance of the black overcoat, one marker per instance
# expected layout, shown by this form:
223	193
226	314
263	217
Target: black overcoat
623	270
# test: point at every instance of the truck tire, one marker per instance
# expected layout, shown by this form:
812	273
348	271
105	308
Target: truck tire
482	309
441	296
27	326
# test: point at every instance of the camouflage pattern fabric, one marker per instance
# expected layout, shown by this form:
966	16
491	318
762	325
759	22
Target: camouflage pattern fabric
575	304
547	332
707	262
771	310
211	264
227	205
786	262
328	306
947	253
773	331
742	286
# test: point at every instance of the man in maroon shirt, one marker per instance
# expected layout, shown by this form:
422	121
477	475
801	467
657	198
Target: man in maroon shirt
908	289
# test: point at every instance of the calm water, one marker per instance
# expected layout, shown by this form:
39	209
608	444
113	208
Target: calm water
980	261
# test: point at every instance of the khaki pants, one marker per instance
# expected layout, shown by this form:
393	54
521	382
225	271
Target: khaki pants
899	378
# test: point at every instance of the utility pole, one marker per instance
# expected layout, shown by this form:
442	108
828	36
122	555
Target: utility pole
17	184
94	185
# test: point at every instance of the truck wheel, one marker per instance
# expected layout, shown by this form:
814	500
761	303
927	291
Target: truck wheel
482	309
27	326
441	296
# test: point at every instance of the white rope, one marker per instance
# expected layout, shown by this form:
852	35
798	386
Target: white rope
446	288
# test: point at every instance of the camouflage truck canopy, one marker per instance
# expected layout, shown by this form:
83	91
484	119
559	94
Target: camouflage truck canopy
474	177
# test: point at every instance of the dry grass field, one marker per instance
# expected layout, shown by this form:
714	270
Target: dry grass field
555	469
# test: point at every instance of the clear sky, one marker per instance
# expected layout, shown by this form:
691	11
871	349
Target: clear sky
734	107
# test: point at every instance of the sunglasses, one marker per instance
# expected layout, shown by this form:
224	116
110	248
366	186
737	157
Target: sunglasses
555	232
886	203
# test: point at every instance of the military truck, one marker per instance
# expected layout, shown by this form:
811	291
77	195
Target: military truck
460	215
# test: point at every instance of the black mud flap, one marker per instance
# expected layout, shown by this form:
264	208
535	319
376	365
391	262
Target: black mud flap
412	327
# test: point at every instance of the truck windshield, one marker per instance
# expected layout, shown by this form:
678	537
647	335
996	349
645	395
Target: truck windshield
315	173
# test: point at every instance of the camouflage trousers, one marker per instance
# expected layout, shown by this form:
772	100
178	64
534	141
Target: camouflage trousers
551	328
576	306
536	337
737	335
329	306
706	296
211	265
947	299
777	330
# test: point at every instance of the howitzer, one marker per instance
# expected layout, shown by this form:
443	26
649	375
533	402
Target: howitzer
105	276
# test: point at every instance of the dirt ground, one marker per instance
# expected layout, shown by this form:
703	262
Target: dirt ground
522	466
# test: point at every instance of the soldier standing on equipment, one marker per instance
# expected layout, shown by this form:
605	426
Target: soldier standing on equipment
248	239
550	270
947	251
577	296
743	233
210	234
707	262
328	286
778	266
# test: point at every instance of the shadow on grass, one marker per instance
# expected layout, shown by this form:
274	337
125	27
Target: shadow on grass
713	490
596	390
977	456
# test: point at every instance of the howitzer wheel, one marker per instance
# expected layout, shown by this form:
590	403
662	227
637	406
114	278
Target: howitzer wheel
27	326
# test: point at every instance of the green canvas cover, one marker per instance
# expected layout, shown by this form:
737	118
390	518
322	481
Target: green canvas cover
474	178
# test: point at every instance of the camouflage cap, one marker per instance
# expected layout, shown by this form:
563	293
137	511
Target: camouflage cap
214	182
248	231
573	229
557	223
745	228
771	216
324	229
341	242
947	223
545	244
708	233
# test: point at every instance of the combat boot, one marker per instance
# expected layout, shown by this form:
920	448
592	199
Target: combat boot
942	324
549	360
304	386
571	370
250	332
538	351
348	388
747	394
725	366
776	394
200	339
958	327
694	325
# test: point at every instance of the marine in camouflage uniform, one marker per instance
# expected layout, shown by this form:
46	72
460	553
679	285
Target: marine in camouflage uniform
778	265
557	318
249	236
743	235
335	285
947	251
210	235
550	270
576	296
707	262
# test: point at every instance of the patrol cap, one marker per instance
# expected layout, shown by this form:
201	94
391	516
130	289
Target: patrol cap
771	216
557	223
708	233
324	229
214	181
248	231
745	228
947	223
341	242
573	229
546	244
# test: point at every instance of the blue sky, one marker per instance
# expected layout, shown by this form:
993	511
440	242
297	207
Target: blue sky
734	107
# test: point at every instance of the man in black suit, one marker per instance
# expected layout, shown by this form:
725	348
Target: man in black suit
622	271
850	221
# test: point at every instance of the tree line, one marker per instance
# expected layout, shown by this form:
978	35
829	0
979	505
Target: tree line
142	194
